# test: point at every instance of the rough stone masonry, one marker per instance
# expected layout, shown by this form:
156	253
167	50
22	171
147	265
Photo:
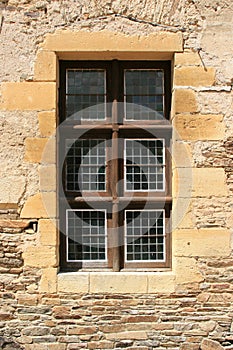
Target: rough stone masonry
188	307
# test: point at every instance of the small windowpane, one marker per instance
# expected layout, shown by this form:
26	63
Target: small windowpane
144	94
144	165
86	235
85	94
144	240
143	82
86	165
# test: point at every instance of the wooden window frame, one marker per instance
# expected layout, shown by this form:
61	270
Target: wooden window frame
114	128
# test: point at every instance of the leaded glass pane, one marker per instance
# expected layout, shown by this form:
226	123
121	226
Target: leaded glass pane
145	235
144	165
86	94
86	235
144	94
86	165
144	82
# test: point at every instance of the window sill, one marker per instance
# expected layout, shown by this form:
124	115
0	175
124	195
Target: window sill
117	282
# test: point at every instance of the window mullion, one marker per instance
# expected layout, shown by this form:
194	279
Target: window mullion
115	239
115	215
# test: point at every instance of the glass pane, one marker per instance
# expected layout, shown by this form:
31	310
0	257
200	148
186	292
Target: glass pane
85	82
145	235
85	94
144	107
86	235
86	165
144	94
144	165
143	82
84	107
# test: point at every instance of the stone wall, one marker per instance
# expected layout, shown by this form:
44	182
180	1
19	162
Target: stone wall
188	307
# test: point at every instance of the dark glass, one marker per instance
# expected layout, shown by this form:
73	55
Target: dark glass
144	94
85	94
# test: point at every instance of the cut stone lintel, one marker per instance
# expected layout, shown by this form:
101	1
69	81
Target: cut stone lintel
82	41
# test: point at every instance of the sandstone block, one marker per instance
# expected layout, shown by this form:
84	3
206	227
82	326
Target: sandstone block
161	282
181	154
199	182
6	206
75	346
204	242
194	76
47	123
73	282
34	331
62	312
113	328
118	282
103	344
182	214
5	316
208	344
34	148
189	346
141	320
138	347
199	127
136	335
49	154
184	101
45	66
27	299
48	232
82	330
163	326
48	282
187	59
40	257
40	206
28	96
186	270
47	176
45	346
56	346
209	182
40	150
208	326
24	340
182	180
18	225
108	41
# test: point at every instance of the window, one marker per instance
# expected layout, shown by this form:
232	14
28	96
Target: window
114	141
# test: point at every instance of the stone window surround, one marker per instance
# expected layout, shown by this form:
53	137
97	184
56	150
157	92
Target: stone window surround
122	282
43	92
